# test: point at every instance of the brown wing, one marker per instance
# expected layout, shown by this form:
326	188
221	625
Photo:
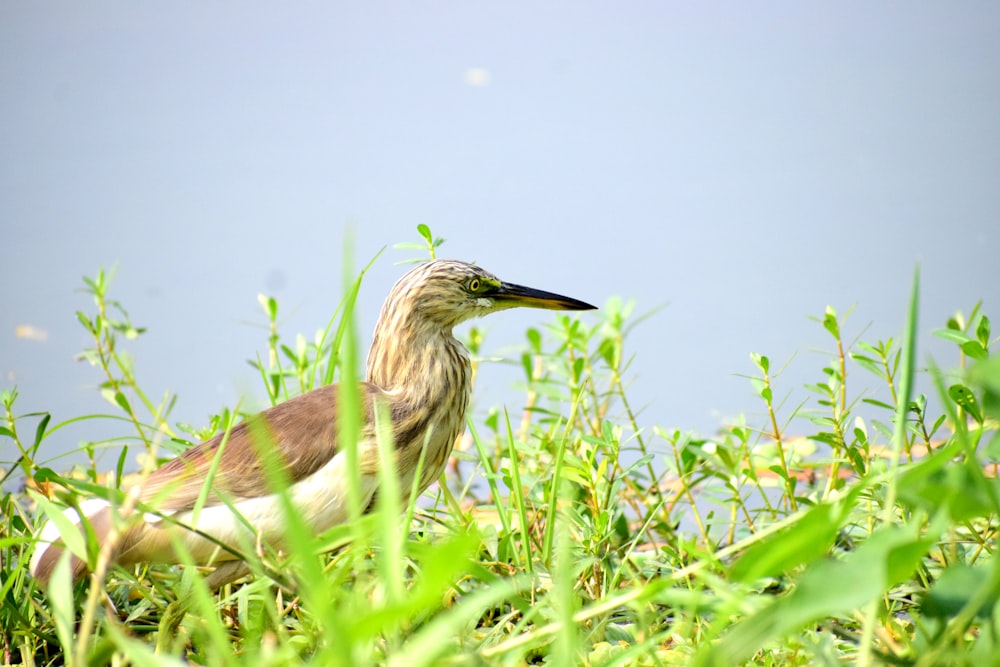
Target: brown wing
302	431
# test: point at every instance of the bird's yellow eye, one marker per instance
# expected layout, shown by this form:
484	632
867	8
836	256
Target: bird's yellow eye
474	285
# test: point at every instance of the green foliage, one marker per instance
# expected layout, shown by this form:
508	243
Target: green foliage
563	533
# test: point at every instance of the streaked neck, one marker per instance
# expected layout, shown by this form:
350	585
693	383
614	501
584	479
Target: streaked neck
418	358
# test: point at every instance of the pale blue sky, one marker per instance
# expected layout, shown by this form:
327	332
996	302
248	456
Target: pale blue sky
747	163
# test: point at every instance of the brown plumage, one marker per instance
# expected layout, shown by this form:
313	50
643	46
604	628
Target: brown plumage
416	369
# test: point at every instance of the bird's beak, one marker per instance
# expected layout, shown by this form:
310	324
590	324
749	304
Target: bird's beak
511	295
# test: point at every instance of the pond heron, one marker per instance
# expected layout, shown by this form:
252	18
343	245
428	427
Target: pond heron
418	375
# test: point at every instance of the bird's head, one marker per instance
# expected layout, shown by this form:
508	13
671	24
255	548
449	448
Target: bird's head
448	292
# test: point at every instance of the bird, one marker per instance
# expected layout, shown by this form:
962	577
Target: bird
417	373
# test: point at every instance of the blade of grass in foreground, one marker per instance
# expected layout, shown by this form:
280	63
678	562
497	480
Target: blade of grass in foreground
349	400
909	349
517	495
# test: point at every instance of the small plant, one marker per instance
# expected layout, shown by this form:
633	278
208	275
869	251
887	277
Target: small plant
562	533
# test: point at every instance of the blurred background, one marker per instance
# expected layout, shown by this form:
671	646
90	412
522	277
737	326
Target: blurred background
742	164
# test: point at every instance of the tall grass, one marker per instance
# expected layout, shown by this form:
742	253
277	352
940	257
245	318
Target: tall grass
562	533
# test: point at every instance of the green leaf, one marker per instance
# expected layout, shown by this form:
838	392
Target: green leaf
43	475
986	374
869	364
528	367
607	349
270	306
534	339
608	431
965	399
983	331
830	322
122	402
85	321
805	540
956	587
40	429
425	232
880	404
974	349
938	483
954	335
60	592
762	362
69	531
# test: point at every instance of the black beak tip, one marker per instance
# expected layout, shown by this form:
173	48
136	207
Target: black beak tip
529	296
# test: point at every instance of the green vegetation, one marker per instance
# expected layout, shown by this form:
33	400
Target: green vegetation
564	535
